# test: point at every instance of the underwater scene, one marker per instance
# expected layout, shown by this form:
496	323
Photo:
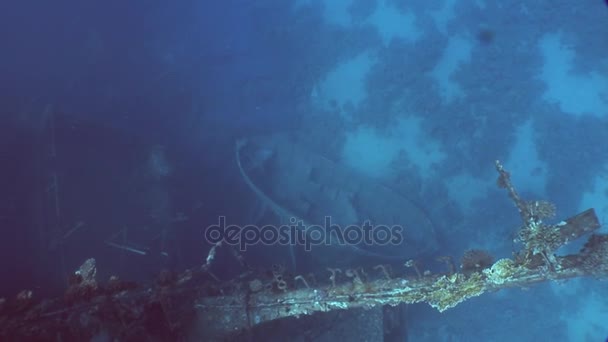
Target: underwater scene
304	170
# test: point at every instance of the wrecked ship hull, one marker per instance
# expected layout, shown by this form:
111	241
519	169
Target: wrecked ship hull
297	183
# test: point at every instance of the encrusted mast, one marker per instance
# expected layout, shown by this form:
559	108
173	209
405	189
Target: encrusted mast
218	310
540	241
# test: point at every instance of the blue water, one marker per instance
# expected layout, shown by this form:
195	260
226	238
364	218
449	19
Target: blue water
119	120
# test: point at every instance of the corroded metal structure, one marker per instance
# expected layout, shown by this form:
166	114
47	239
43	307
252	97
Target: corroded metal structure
194	305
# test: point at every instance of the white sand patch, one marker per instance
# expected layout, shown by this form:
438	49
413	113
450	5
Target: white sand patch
345	84
597	198
444	15
463	189
576	94
528	172
422	151
455	54
373	152
391	23
368	151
